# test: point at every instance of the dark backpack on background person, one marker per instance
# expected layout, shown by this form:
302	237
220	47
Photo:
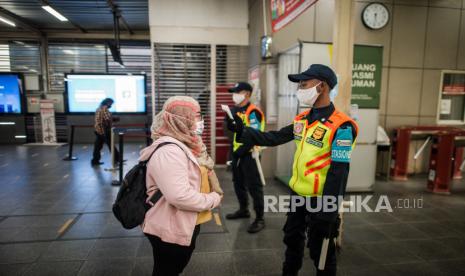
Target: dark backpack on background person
130	205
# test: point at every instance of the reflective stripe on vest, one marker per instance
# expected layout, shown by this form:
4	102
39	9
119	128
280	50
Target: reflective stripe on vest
246	120
313	154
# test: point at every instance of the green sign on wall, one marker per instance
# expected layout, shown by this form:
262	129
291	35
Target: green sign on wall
366	76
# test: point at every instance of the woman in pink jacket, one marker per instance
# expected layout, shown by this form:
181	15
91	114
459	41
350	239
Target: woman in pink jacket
170	224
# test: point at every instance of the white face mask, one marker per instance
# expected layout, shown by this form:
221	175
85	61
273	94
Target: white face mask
238	98
200	127
308	96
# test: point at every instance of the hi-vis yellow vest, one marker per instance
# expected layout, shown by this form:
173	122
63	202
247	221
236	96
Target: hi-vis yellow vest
246	120
313	154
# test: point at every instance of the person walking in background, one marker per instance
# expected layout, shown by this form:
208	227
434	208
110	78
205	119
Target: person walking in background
102	130
173	223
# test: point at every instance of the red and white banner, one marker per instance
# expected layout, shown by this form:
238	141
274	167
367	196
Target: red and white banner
47	116
284	12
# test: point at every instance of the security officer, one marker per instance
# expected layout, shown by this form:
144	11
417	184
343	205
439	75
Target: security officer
245	172
325	138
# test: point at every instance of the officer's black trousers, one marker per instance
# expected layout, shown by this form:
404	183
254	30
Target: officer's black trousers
300	225
246	178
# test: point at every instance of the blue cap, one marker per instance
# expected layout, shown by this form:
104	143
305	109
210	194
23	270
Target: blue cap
241	86
316	71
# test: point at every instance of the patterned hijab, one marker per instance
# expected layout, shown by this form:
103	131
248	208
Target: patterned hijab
177	120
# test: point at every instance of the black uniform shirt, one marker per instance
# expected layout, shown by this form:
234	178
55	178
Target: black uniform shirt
338	172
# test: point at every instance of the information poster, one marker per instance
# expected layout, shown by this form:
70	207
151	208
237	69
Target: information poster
446	106
284	12
366	76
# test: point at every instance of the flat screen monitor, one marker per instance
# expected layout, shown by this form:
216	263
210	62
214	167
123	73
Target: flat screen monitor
10	94
85	92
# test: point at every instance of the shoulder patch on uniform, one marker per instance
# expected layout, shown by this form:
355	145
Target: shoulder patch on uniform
254	123
341	148
298	128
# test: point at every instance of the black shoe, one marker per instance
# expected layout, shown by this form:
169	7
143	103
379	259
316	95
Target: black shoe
96	163
289	271
239	214
256	226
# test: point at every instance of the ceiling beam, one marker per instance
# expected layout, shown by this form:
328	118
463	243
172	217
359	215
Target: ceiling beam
75	25
114	8
21	22
75	35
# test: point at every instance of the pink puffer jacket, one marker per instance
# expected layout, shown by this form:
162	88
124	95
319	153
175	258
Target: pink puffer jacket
175	171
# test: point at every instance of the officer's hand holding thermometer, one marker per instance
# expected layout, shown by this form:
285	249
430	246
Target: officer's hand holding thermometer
235	125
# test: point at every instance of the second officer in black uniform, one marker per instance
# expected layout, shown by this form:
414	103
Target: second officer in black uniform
245	172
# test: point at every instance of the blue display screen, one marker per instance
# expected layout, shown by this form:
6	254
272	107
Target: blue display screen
86	92
10	94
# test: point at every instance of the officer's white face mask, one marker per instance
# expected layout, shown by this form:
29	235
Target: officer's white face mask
308	96
238	98
200	127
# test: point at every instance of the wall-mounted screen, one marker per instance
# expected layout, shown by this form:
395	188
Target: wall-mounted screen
10	94
86	91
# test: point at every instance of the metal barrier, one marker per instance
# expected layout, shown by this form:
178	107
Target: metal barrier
446	156
70	156
121	163
122	133
401	146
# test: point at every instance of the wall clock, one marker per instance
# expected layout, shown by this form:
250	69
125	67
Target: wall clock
375	16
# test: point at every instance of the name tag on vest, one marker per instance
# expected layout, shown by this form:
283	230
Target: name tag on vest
314	142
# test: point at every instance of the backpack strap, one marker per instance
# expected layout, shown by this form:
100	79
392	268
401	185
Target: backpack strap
159	146
158	194
156	197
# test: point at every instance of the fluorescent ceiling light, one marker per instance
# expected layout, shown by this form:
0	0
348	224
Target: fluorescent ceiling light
69	52
55	13
20	136
7	21
7	123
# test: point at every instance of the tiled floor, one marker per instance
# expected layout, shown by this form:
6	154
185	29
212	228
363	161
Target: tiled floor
40	193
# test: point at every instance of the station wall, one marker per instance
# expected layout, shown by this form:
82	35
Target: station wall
422	38
199	21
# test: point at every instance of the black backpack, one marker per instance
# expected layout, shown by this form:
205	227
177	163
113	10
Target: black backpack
130	205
